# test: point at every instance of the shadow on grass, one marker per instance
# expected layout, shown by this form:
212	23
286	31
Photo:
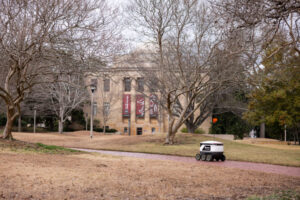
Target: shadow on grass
21	146
282	195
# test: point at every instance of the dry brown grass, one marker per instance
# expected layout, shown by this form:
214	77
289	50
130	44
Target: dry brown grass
81	139
186	145
270	143
92	176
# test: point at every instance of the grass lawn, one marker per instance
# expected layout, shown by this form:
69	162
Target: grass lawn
283	195
20	146
38	174
186	145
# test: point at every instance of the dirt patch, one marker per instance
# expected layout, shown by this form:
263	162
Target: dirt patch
89	176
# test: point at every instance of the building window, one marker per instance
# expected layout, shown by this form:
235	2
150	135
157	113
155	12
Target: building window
106	107
140	84
106	85
153	85
139	131
95	108
152	130
127	84
94	82
125	129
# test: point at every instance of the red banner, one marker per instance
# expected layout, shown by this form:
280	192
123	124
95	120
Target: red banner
140	105
153	106
126	105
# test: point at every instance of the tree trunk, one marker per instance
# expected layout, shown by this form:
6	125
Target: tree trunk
61	121
60	126
170	137
104	128
10	115
262	130
296	135
167	141
171	132
86	123
8	128
190	128
295	140
19	123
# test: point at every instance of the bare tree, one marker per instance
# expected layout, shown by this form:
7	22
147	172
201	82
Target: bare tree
66	95
108	99
32	35
267	20
184	65
2	106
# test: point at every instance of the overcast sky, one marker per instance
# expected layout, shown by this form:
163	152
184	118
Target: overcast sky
133	39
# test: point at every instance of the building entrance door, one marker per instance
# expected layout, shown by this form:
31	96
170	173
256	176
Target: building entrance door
139	131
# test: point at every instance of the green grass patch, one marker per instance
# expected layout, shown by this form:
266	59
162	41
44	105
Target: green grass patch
54	149
21	146
186	144
189	144
283	195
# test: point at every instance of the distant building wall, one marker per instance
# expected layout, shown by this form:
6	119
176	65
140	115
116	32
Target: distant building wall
147	123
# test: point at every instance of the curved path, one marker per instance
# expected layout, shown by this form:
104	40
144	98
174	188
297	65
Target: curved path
268	168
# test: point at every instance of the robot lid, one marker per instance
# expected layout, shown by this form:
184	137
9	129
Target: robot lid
211	143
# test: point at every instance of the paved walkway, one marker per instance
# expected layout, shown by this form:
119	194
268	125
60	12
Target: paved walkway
268	168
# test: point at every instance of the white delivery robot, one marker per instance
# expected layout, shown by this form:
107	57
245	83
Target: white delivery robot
210	150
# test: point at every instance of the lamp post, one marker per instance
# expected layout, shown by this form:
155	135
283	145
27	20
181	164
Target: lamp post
19	123
129	126
32	107
86	121
34	119
285	132
93	88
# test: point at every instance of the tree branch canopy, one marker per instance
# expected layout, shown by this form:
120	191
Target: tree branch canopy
35	35
190	57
